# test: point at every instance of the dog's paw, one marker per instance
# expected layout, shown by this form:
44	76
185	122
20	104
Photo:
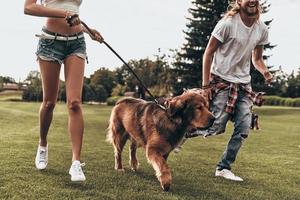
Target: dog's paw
134	164
135	167
165	181
166	186
120	170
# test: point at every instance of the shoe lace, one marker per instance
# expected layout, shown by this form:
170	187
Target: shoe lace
77	168
43	155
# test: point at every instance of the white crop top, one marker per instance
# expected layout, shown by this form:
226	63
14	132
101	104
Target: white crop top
71	6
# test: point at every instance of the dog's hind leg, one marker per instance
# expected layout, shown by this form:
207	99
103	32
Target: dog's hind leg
133	162
160	166
117	137
119	143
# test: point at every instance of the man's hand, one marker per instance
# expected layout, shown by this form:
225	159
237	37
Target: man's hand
268	77
207	92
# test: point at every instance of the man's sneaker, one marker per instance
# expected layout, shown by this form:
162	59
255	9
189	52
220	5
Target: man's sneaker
178	148
225	173
196	133
41	159
76	171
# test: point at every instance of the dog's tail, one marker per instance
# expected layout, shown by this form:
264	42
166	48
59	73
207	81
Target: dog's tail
109	136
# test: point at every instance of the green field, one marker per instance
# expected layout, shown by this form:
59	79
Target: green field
269	161
11	96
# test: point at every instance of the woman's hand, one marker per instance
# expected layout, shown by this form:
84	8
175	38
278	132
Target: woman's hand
95	35
72	20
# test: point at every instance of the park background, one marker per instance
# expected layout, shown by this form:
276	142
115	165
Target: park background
269	160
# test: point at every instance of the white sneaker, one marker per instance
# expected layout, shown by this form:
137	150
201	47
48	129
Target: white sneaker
177	149
225	173
76	171
41	159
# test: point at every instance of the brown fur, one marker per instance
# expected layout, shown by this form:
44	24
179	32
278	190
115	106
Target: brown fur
157	130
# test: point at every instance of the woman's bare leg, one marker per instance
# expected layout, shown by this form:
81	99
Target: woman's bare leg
50	80
74	73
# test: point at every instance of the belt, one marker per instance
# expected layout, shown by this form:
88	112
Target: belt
56	36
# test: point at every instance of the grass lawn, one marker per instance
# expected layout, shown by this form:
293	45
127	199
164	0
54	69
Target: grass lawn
269	161
11	96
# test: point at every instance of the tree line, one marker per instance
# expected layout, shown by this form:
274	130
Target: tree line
167	75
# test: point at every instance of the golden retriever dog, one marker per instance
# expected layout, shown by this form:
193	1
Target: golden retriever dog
156	129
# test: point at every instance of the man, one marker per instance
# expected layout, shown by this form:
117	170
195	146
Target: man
237	37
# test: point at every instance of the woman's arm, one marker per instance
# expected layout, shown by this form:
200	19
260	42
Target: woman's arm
258	62
32	8
95	35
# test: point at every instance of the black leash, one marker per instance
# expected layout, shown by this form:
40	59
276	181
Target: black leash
136	76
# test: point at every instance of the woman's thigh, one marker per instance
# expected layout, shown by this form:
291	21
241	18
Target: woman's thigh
50	79
74	73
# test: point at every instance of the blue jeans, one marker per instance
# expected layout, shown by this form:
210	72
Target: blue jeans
241	119
56	50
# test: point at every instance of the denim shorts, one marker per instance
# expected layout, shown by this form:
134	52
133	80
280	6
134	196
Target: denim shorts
59	50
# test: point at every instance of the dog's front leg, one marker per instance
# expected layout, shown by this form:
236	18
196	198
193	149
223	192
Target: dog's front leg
160	166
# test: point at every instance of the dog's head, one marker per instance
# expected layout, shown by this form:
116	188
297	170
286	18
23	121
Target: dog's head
192	108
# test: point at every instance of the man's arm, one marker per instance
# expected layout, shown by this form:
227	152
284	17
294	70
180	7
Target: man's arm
258	62
211	48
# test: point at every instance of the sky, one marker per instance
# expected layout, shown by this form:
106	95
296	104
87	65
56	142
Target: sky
136	29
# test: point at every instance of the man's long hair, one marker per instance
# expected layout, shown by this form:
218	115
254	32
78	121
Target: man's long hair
234	8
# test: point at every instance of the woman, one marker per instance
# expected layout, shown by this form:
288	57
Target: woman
61	42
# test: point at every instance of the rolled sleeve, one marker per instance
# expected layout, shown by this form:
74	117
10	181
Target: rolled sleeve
221	31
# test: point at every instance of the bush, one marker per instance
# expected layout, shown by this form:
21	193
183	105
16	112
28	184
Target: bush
100	94
111	101
33	94
281	101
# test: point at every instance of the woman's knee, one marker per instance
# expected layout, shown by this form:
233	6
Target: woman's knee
48	105
74	105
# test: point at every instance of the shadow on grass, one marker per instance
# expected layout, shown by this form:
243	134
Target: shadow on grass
181	187
64	180
143	175
200	190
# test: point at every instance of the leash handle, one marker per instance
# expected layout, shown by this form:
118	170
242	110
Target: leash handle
135	75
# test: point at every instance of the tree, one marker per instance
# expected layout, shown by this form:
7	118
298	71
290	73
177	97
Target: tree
34	91
103	78
257	79
62	95
6	79
100	93
293	85
155	75
279	85
88	93
188	65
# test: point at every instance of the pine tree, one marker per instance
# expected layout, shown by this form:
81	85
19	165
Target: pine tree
204	15
257	79
188	66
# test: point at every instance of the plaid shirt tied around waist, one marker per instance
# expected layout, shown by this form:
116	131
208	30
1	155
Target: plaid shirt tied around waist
233	90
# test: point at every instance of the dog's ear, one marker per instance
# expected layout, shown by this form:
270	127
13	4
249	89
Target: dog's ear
174	106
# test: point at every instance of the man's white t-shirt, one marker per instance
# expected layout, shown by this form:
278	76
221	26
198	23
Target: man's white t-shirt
232	59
